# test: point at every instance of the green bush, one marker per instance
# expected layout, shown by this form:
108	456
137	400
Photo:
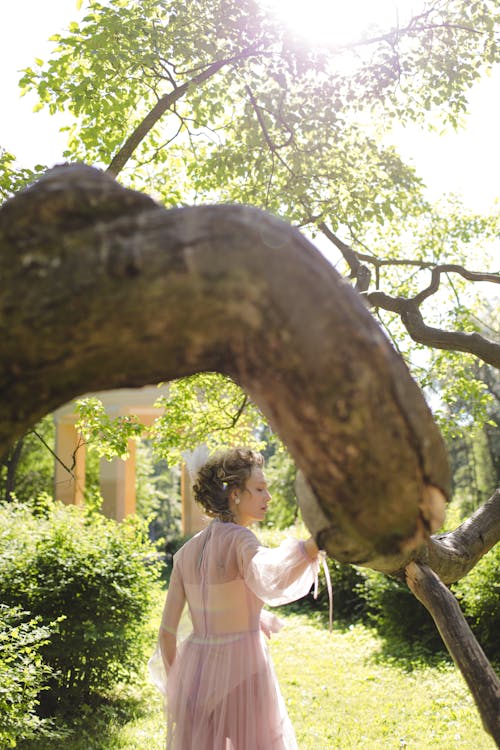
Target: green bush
348	602
283	509
23	675
396	613
91	575
479	597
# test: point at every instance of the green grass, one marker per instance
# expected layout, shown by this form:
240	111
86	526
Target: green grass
342	692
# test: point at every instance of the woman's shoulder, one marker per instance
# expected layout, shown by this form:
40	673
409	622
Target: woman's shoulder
233	533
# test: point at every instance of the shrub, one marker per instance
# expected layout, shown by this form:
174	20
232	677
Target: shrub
92	575
396	613
479	597
23	675
348	602
281	472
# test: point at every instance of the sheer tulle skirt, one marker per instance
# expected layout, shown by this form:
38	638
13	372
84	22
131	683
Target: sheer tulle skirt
222	694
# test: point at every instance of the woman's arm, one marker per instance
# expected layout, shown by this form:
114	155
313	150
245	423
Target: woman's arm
168	648
172	611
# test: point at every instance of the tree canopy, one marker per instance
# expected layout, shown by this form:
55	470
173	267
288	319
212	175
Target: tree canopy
221	101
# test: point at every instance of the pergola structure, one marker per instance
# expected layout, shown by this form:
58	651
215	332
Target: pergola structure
116	477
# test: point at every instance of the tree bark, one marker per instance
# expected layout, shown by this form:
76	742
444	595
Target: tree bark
105	289
460	642
411	317
454	554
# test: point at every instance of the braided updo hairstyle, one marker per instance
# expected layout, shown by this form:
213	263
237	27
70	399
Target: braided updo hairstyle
219	475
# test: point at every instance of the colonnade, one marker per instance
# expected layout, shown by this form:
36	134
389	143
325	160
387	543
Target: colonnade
117	478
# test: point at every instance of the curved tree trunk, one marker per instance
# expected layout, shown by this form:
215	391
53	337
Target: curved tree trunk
102	288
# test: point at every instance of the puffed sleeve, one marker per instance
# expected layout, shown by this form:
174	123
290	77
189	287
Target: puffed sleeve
278	575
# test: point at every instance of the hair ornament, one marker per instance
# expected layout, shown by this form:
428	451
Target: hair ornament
195	459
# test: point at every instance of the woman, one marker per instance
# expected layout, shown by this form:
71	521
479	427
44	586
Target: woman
222	692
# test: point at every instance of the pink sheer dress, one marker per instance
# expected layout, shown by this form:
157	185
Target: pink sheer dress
221	692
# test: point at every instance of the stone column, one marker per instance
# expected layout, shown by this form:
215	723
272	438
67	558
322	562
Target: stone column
117	485
70	450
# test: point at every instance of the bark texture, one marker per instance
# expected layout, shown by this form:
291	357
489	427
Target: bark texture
102	288
460	642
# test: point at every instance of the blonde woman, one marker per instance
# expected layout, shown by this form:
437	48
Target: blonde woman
221	691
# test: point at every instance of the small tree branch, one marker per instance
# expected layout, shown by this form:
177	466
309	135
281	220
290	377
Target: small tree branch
460	642
53	453
165	103
494	278
358	271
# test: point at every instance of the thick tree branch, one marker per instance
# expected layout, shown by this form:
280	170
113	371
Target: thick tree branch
409	311
105	289
454	554
460	642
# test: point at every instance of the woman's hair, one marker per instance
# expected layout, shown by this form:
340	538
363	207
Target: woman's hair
219	475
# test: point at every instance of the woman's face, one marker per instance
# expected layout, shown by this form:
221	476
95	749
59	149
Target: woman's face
254	499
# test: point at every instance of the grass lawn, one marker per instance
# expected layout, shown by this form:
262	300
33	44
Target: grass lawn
341	690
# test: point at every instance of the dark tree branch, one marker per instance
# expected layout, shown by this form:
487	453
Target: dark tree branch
163	105
454	554
358	271
460	642
494	278
69	469
408	309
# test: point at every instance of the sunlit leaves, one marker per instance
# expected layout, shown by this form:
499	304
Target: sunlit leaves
283	125
107	435
14	178
208	408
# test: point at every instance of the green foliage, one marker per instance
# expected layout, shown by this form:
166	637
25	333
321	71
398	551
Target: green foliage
23	675
157	493
349	603
106	435
92	575
479	597
208	408
396	613
280	474
262	117
28	469
272	121
14	178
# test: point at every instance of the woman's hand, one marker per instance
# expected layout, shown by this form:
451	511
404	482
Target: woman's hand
311	548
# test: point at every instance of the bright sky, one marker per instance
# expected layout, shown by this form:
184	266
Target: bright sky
467	163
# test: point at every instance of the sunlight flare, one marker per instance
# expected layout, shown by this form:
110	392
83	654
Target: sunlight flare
337	23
